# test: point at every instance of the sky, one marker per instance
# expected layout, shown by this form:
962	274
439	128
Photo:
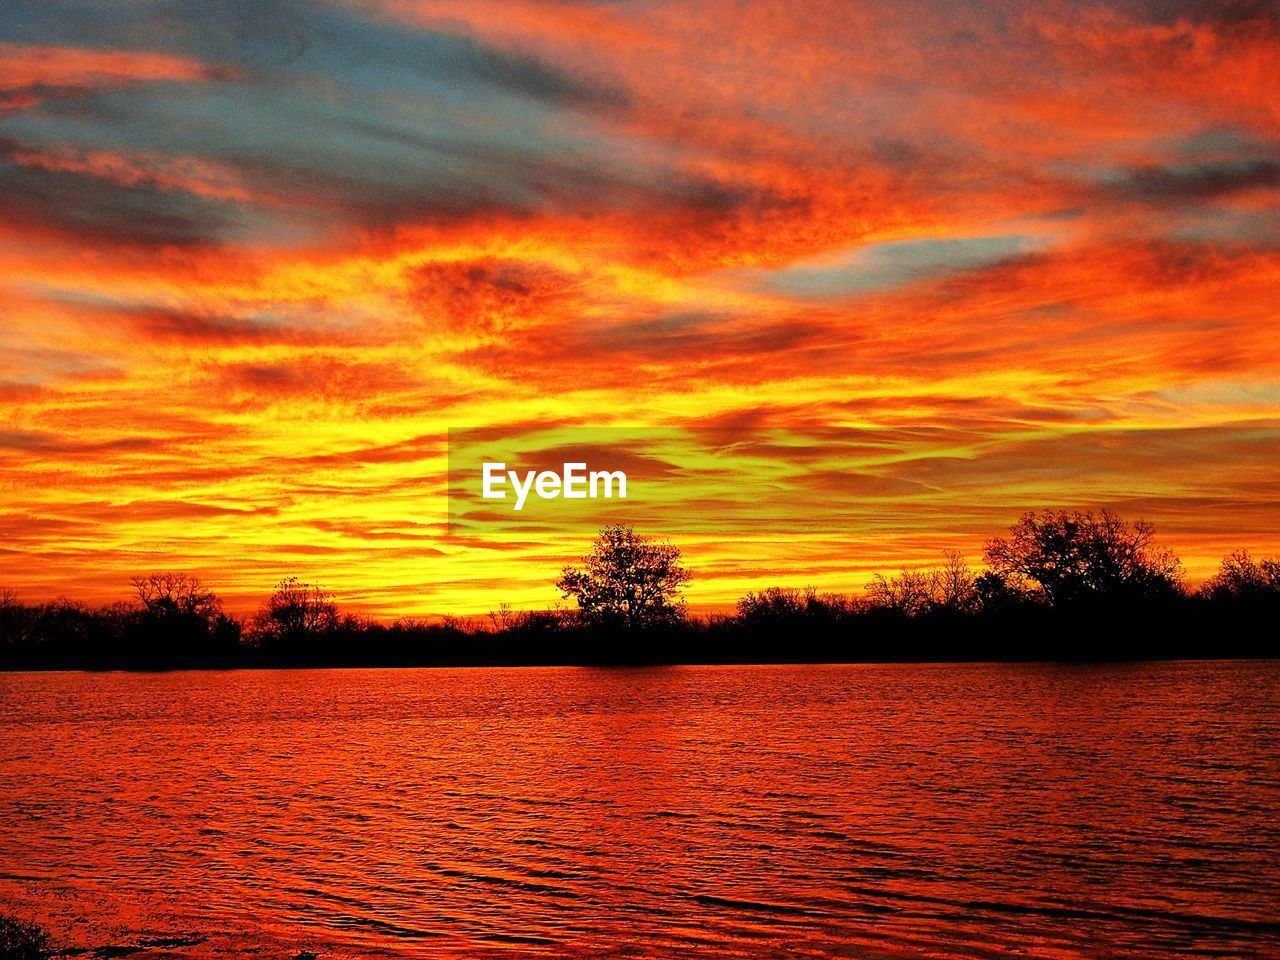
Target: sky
855	282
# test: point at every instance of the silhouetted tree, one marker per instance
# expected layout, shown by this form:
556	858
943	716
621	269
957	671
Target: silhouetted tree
768	621
1073	556
69	625
627	581
1240	577
908	594
295	616
995	594
953	587
777	607
180	617
502	618
772	605
15	620
529	623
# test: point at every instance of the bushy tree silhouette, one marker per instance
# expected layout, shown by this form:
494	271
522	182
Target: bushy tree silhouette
295	616
627	581
1075	556
1242	578
774	605
994	594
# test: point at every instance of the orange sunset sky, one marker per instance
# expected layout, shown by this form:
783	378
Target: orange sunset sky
943	262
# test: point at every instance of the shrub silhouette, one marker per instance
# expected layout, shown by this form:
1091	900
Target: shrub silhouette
775	607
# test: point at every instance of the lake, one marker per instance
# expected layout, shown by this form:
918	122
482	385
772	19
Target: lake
877	811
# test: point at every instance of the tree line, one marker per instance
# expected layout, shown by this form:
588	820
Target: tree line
1060	585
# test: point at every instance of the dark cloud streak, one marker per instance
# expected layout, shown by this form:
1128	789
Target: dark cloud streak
84	207
1204	182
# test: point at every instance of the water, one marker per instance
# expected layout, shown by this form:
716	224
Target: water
855	811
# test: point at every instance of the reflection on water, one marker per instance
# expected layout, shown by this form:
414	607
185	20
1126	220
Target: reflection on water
853	811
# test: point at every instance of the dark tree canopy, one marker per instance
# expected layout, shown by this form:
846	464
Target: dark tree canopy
175	594
952	588
1241	577
179	615
776	610
907	594
1074	556
627	581
294	615
773	604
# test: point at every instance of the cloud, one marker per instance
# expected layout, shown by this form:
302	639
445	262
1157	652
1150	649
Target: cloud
183	174
488	296
81	205
319	378
886	265
33	73
1199	183
177	326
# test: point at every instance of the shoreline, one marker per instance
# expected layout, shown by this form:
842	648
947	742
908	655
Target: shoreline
636	665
